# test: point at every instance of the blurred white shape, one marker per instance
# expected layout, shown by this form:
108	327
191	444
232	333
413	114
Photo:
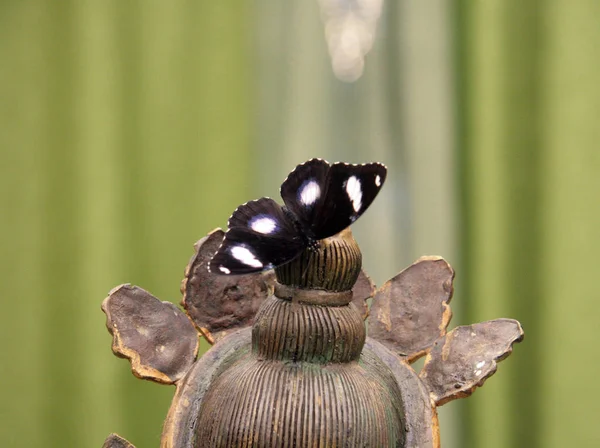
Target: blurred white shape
349	30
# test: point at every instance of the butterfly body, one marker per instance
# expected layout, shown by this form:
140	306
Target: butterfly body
320	201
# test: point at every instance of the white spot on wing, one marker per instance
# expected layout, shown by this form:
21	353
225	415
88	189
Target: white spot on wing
354	191
309	192
224	270
243	255
263	224
378	180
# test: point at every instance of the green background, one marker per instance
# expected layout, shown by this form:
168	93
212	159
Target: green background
130	129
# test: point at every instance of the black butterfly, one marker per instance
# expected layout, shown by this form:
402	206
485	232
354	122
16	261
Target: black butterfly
320	201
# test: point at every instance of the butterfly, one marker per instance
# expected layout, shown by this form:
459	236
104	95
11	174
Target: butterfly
321	199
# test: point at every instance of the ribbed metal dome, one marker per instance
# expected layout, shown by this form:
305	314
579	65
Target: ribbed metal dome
307	380
334	265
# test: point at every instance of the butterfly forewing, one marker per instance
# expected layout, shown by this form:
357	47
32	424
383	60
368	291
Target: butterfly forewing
305	189
350	191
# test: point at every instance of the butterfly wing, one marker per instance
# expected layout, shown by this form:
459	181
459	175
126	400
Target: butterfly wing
321	200
350	189
260	237
304	191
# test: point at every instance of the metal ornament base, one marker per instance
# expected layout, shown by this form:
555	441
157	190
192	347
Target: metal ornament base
293	364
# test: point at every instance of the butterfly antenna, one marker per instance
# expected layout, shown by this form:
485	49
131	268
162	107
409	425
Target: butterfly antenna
305	268
313	247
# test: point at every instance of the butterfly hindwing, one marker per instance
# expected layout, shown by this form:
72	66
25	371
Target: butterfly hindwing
244	251
260	236
350	191
264	216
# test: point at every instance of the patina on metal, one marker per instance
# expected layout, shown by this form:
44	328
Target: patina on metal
292	363
306	382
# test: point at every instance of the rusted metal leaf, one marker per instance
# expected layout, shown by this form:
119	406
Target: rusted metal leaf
157	337
462	360
410	311
116	441
363	289
219	304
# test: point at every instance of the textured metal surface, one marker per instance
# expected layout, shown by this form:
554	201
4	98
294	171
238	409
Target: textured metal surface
420	417
420	423
465	358
334	265
157	337
265	403
412	310
285	330
303	383
116	441
313	296
179	429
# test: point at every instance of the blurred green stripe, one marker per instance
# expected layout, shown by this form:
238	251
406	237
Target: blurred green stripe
60	253
494	166
530	164
523	99
568	311
21	222
126	136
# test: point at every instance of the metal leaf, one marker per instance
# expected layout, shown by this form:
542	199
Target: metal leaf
462	360
219	304
363	289
157	337
116	441
411	310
